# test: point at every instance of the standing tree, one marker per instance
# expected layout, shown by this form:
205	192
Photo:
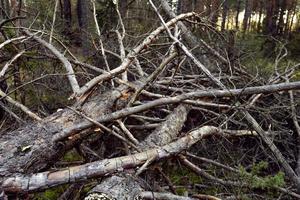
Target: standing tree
261	6
238	10
83	13
247	15
225	11
270	27
215	11
67	16
282	13
199	7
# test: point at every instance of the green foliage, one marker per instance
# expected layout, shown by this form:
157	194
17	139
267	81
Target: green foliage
257	168
250	46
294	46
253	50
72	156
44	11
32	64
181	191
296	76
183	176
10	33
50	194
257	182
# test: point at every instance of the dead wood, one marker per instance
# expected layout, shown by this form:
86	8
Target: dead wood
31	148
178	105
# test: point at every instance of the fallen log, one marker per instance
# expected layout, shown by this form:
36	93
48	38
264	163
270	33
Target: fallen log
31	148
177	99
44	180
106	167
27	153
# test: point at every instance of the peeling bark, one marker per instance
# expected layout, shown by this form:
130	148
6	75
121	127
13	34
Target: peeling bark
31	148
118	187
162	135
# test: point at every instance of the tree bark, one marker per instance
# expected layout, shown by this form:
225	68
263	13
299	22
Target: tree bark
280	158
3	13
127	186
32	149
3	87
224	14
215	12
67	14
199	6
238	10
271	18
123	8
260	14
188	36
248	10
83	22
27	154
281	17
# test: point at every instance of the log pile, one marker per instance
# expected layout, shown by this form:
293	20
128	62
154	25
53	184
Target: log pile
144	118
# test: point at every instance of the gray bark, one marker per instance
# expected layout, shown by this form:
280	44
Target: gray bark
117	187
248	10
177	99
67	15
224	14
31	148
278	155
128	187
83	14
190	39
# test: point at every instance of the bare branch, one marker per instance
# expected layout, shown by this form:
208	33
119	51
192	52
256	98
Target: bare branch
168	196
11	40
187	52
10	62
176	99
154	75
131	56
105	167
62	58
53	21
20	106
285	165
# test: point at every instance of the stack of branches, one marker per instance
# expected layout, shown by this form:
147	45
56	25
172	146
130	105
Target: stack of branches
165	111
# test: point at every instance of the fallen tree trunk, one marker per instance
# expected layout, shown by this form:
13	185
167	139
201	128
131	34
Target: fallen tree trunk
32	149
108	166
177	99
27	153
104	167
162	135
20	155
